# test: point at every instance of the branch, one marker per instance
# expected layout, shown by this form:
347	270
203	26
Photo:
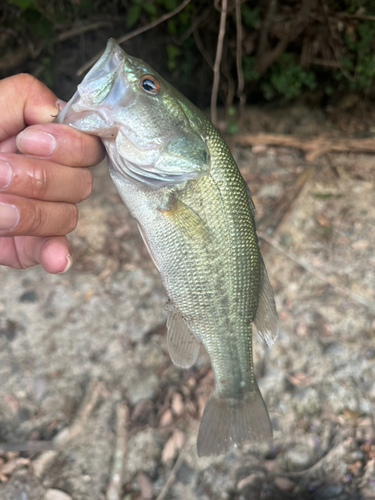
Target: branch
62	438
293	30
115	486
219	52
263	39
21	54
312	147
134	33
318	274
172	475
240	77
78	31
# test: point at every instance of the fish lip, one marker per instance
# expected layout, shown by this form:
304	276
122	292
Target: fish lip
81	110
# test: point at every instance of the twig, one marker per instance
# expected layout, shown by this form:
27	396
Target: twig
172	475
263	38
30	446
219	52
78	31
202	49
293	30
115	486
134	33
317	274
240	77
285	206
62	438
313	147
21	54
362	17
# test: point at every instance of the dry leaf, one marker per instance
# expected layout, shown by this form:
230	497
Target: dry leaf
10	466
11	402
299	379
360	244
322	220
166	418
177	404
285	484
174	443
349	414
144	485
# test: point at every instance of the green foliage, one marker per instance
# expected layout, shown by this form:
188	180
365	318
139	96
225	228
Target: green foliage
37	23
250	16
288	79
358	66
22	4
248	65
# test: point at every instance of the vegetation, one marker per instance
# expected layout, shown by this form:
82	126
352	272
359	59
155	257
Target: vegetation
286	47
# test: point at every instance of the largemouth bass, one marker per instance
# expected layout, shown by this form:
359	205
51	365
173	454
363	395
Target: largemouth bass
195	213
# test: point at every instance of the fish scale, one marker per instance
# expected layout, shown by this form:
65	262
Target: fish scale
180	182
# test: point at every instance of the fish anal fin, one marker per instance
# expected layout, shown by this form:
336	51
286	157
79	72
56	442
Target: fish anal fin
228	422
182	345
266	319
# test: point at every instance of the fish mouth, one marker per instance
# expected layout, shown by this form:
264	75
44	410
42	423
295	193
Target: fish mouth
104	89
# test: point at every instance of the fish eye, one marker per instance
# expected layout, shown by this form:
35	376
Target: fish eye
149	84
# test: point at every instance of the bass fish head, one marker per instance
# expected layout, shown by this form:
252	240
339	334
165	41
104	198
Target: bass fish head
151	132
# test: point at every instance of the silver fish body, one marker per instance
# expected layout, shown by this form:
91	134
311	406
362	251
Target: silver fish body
176	175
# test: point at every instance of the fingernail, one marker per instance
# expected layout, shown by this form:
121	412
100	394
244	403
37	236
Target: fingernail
6	173
69	263
36	143
9	217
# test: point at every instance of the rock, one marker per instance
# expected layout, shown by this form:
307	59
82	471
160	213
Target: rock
298	458
143	455
143	389
285	484
270	191
328	493
53	494
306	401
185	473
30	296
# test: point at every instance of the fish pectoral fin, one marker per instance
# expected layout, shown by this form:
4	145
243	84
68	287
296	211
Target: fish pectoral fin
266	319
185	219
182	345
228	422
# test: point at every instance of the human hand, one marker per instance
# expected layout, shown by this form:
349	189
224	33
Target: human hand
40	187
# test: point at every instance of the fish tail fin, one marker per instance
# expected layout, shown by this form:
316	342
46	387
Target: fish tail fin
229	421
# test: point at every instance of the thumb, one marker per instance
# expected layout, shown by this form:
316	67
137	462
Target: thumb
34	103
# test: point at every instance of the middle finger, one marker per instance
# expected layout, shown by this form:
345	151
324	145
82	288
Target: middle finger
43	180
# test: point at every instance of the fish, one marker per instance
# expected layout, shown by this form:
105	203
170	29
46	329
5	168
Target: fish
195	213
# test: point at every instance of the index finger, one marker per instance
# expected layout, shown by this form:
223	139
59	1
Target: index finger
61	144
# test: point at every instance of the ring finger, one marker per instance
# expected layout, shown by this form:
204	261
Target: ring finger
24	216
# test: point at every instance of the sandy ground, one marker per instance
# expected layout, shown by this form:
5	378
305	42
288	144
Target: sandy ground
74	347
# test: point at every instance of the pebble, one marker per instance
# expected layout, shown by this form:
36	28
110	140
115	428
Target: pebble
143	389
53	494
270	191
328	493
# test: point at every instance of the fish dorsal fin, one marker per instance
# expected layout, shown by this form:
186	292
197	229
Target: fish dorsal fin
182	345
266	319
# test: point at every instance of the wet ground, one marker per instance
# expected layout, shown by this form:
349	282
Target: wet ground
74	347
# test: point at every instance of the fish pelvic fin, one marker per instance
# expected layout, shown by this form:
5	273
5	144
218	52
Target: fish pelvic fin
182	345
227	422
266	319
